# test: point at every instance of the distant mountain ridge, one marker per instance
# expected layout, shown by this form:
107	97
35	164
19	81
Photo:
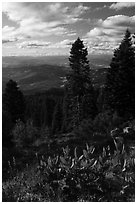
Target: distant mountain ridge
36	74
95	60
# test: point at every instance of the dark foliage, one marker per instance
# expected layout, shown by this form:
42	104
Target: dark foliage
13	101
36	168
106	177
120	84
41	107
79	89
24	134
57	117
7	126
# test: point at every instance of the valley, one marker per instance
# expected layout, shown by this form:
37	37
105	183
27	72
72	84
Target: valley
37	74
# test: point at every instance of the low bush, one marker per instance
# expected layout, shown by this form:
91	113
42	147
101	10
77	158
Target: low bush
24	134
106	121
101	125
85	129
89	177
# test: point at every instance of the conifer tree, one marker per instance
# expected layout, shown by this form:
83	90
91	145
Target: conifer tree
7	126
79	88
57	117
120	84
65	113
13	101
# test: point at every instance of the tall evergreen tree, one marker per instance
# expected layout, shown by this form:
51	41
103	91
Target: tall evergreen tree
13	101
7	126
120	84
57	117
79	88
65	112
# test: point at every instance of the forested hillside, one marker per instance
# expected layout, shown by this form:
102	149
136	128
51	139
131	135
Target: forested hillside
39	75
74	141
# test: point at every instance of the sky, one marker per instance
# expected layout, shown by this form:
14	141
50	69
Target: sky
50	28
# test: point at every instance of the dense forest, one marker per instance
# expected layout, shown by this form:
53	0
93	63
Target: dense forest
44	134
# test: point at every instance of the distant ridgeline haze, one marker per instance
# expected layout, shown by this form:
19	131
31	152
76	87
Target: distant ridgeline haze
37	74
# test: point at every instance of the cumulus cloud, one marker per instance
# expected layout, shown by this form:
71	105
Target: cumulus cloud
11	34
43	19
62	44
119	21
110	31
33	44
42	44
121	5
8	34
113	25
100	44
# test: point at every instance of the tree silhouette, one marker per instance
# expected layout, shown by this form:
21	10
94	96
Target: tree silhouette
57	117
13	101
7	126
79	88
120	84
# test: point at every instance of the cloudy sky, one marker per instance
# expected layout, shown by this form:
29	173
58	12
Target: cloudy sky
43	28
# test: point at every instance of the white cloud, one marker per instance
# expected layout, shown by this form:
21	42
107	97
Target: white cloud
95	32
119	21
42	19
33	44
11	34
42	44
113	26
62	44
8	34
121	5
109	32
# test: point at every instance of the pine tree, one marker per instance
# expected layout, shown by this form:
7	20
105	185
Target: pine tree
7	126
79	88
50	103
57	117
65	113
120	84
13	101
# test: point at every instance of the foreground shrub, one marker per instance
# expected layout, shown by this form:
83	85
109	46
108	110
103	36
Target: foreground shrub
102	124
20	188
88	177
24	134
85	129
106	121
106	178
